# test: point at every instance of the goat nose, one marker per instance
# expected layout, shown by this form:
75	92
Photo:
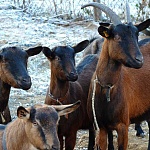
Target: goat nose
55	148
138	61
139	58
24	82
73	76
26	79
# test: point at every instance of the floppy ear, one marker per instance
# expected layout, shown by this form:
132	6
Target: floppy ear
48	52
81	46
22	113
103	31
66	109
142	26
34	51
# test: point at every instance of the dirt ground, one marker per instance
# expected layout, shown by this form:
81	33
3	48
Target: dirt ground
134	142
17	28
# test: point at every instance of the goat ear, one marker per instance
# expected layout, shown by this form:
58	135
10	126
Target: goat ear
22	113
34	51
81	46
1	57
47	52
103	31
142	26
66	109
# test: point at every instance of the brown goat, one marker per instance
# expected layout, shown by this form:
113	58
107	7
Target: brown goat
95	48
120	83
63	90
35	128
13	73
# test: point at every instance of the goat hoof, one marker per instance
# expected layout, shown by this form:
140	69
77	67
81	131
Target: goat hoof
142	135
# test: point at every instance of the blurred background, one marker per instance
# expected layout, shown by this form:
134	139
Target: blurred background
71	9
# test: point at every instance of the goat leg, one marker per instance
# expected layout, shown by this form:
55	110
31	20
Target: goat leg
122	131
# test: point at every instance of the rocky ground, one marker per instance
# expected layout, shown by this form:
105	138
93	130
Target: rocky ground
21	29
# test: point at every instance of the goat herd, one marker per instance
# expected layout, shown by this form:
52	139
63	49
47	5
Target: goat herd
108	90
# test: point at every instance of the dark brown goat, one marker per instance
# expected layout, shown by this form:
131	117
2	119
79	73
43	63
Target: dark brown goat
120	80
13	73
35	128
65	91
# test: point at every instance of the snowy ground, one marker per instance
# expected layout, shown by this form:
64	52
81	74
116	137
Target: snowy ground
19	29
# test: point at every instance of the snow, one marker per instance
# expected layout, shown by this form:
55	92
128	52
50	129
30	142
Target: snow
20	29
25	30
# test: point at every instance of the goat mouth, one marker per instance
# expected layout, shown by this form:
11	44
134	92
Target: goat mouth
73	79
134	64
24	86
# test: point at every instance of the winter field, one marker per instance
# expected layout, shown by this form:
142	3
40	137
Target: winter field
20	29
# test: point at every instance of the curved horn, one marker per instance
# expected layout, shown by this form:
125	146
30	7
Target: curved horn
113	16
128	18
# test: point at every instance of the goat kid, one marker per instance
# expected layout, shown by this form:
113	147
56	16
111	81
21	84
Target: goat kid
35	128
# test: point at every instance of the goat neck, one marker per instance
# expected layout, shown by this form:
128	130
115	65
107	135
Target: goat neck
58	90
4	95
108	70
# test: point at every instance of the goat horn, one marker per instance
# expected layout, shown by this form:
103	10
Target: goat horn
128	18
113	16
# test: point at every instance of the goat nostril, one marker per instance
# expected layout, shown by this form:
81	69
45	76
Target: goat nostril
139	58
26	80
55	147
73	76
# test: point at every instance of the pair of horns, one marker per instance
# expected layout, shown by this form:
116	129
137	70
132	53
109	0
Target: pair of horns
113	16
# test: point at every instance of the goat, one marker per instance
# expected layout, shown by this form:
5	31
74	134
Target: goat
119	96
13	73
95	48
35	128
65	88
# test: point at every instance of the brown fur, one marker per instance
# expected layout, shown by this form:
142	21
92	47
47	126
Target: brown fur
95	48
68	92
129	96
13	73
35	128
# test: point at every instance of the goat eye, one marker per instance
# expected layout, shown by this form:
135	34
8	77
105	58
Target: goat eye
57	58
35	123
117	38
